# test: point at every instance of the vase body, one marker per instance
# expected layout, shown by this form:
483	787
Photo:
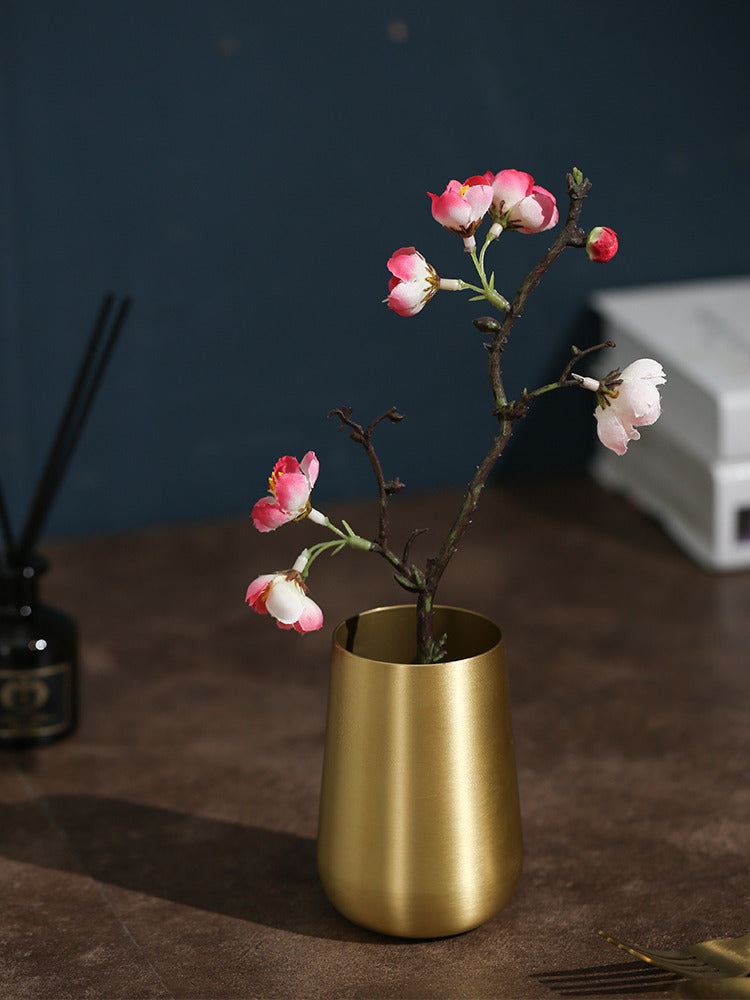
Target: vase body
419	829
38	663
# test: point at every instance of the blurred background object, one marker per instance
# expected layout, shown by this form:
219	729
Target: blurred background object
245	170
692	469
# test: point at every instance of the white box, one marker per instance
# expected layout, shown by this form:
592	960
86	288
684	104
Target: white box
692	468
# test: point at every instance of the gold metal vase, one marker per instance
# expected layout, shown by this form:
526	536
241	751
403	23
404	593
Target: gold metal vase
419	831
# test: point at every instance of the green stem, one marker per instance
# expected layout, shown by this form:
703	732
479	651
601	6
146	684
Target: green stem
497	300
348	536
489	239
473	288
344	538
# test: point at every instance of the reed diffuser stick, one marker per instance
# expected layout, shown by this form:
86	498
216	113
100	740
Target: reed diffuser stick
71	423
5	518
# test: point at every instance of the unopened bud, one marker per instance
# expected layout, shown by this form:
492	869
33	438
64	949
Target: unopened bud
601	244
486	324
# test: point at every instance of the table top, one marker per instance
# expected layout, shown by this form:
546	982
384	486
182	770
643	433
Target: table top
167	848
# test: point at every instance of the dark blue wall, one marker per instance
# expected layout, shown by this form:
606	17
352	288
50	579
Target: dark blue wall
245	169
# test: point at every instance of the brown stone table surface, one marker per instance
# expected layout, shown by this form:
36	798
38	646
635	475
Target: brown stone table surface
167	848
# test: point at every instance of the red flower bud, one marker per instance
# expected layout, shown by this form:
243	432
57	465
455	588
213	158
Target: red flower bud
601	244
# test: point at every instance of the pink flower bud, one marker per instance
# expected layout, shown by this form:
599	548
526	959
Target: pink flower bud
601	244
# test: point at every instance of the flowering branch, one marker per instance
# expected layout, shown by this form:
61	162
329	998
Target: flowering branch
625	400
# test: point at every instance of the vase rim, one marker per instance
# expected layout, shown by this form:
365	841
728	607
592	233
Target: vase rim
493	636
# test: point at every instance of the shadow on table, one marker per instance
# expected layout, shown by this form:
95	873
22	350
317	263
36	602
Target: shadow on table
245	872
608	980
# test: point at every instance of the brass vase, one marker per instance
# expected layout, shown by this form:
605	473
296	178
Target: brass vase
419	831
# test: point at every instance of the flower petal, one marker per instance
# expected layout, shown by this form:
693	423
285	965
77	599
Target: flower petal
451	210
638	402
479	196
535	213
285	599
311	618
406	299
293	492
255	591
311	467
509	187
612	432
408	264
267	515
285	465
645	368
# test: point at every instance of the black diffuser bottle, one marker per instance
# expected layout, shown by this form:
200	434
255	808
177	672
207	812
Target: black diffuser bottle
38	662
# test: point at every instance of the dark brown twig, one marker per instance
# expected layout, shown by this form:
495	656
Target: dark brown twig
363	436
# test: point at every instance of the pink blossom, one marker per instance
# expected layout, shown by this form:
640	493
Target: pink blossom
290	485
601	244
461	207
519	203
627	400
284	596
413	284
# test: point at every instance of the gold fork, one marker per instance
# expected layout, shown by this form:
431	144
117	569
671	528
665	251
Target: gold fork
724	957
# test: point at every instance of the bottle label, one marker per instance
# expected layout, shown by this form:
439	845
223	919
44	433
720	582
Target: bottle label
36	702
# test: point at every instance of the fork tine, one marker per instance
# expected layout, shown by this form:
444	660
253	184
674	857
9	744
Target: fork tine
682	963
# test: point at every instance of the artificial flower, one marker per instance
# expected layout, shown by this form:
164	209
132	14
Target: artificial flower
461	207
284	596
519	203
290	485
627	399
414	282
601	244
